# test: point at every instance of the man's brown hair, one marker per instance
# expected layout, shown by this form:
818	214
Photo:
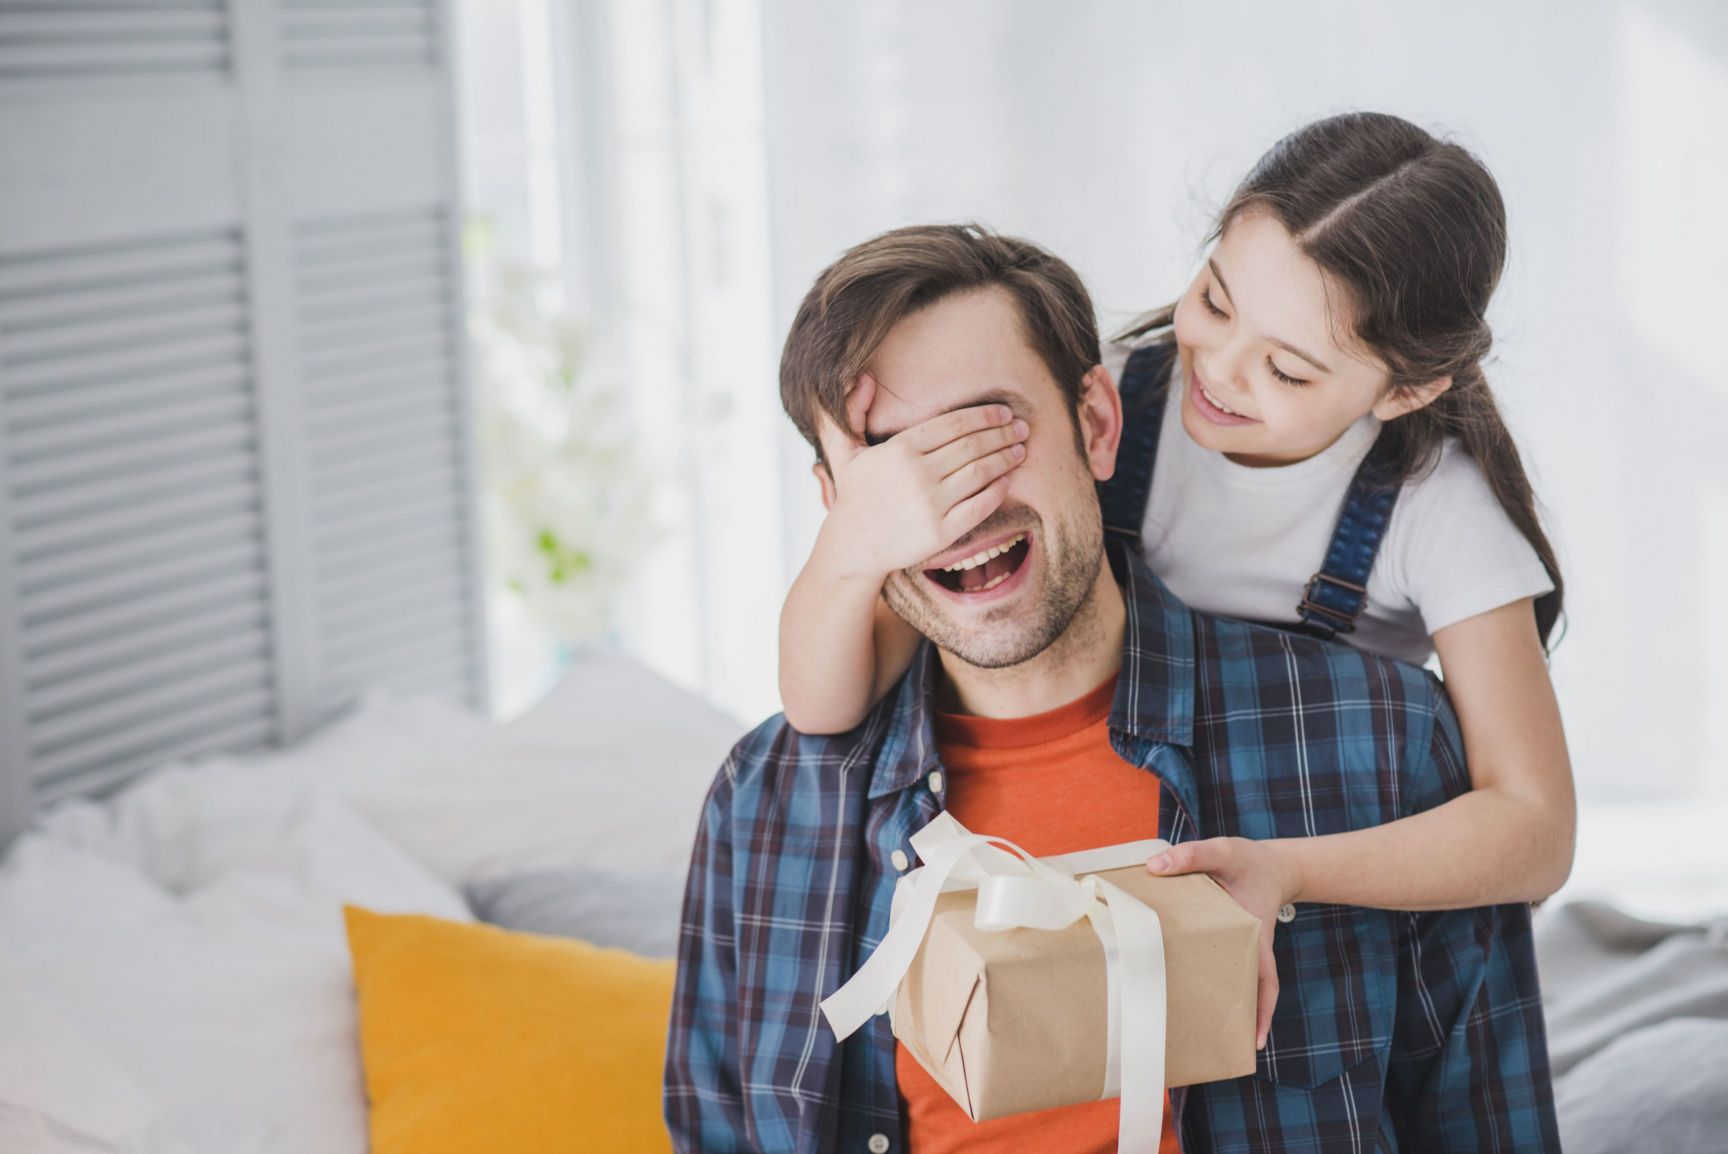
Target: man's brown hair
875	285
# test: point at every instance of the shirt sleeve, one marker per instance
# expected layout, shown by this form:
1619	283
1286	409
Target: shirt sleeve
703	1097
1454	551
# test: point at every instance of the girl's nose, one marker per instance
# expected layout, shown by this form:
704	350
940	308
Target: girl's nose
1226	370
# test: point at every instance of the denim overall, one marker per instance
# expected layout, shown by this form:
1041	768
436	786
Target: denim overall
1335	596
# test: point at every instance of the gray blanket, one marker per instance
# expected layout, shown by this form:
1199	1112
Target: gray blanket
1637	1016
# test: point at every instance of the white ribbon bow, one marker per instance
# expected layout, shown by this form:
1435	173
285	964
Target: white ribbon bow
1017	890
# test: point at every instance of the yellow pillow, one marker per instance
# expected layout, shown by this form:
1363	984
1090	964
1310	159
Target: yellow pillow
478	1038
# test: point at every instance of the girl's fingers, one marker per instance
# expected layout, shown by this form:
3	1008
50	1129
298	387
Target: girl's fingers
973	477
972	446
970	513
1268	1000
938	431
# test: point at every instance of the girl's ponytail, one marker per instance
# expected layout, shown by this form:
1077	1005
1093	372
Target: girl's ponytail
1468	412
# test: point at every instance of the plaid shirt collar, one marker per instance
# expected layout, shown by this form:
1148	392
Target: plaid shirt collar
1154	692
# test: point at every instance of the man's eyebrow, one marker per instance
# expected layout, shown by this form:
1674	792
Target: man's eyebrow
1285	345
992	397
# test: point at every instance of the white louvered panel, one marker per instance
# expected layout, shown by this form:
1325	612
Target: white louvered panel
110	431
222	652
136	456
352	605
375	396
186	603
437	664
385	488
138	646
419	446
111	771
85	39
318	34
118	558
382	555
357	532
241	708
91	588
140	585
64	506
128	395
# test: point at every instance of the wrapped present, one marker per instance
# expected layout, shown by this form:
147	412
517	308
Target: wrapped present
1023	983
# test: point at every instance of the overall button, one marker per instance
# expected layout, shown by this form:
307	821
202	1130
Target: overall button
878	1144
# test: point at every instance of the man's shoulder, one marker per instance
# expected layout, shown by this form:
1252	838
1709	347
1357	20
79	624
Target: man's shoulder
774	753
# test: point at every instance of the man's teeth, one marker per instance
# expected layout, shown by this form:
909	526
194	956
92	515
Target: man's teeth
978	559
1216	403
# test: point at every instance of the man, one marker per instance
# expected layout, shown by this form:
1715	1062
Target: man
1074	702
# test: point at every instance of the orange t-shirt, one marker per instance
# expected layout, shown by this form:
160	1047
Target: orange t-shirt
1052	784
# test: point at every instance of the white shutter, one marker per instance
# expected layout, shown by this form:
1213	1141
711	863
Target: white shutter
236	465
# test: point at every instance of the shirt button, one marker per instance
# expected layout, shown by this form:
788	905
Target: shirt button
898	857
1286	912
935	781
878	1144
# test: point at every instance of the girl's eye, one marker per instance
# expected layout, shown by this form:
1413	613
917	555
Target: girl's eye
1206	299
1285	378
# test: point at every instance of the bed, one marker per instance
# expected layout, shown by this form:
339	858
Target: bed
173	970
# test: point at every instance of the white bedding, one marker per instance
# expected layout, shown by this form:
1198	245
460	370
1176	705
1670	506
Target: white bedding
174	976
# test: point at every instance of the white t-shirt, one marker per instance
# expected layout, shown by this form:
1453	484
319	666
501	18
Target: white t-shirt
1241	541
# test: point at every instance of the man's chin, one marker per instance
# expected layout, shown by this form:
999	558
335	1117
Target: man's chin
993	633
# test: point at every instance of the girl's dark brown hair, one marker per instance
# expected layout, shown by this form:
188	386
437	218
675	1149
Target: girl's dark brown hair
1412	230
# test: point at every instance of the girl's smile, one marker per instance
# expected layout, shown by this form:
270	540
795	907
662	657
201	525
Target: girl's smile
1210	407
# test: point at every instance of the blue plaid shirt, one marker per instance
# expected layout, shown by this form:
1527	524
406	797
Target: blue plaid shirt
1394	1031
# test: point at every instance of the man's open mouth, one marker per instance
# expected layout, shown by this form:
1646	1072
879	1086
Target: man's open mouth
984	570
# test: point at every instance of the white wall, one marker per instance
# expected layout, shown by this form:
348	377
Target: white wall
1111	131
708	157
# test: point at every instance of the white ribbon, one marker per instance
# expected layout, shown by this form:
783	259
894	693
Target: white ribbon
1017	890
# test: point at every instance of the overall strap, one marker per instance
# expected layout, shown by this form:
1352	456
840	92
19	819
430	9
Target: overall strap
1337	595
1144	385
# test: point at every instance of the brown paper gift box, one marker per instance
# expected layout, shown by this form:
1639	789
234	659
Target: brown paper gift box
1013	1021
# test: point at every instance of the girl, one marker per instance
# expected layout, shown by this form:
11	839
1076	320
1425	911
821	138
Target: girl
1327	357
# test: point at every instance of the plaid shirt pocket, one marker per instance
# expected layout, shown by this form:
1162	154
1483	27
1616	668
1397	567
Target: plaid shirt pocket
1337	993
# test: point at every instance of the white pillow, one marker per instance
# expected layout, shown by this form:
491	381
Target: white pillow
608	771
182	823
232	1007
58	1089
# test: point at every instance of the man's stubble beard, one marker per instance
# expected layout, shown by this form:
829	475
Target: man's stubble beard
1071	564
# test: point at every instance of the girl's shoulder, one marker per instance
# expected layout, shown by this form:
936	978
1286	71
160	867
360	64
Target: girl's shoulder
1452	549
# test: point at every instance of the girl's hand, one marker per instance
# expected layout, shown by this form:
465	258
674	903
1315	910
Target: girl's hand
1261	877
901	502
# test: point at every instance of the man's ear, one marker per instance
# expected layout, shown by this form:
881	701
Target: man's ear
1100	421
826	479
1397	402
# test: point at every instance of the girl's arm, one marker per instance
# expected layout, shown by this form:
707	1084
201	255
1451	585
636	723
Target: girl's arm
890	505
841	647
1509	839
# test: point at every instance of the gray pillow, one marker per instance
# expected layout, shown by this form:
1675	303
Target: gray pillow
638	912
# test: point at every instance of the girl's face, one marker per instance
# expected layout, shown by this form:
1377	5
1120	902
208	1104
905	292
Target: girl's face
1259	331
